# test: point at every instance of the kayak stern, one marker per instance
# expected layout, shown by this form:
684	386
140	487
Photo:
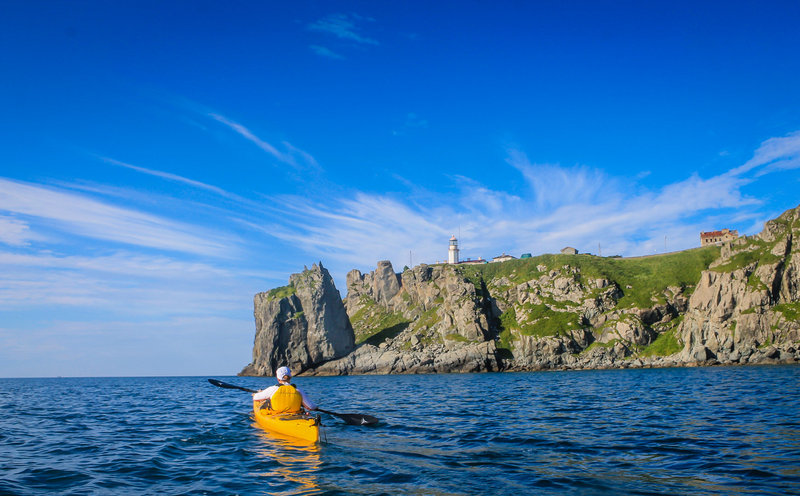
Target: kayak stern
299	425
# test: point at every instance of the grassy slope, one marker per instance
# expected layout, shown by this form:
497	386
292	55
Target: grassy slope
372	324
642	280
648	277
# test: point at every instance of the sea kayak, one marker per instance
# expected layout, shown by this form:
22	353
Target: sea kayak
299	425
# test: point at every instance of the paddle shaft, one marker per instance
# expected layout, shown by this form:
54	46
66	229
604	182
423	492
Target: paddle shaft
225	385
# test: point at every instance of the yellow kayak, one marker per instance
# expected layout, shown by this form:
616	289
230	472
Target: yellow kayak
299	425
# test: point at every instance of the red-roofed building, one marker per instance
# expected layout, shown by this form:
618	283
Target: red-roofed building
716	237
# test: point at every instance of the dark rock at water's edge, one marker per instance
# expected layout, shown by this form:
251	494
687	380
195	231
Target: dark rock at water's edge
734	304
301	325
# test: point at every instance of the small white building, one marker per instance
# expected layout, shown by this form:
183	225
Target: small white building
569	251
452	254
470	261
503	258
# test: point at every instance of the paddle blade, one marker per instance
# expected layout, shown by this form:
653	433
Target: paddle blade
358	419
353	418
230	386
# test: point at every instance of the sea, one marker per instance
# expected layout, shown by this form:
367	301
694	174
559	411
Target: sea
679	431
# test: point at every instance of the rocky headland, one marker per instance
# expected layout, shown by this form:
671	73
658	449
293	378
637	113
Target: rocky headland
738	303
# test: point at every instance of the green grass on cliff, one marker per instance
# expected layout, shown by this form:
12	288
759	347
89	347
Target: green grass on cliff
373	325
386	332
426	320
665	344
759	252
542	321
643	280
597	344
281	292
790	311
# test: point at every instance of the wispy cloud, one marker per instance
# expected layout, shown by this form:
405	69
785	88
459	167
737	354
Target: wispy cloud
80	215
343	26
325	52
14	232
554	184
170	177
292	155
577	206
774	154
355	233
121	291
139	285
118	263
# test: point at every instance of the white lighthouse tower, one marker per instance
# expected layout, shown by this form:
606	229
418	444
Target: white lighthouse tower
452	255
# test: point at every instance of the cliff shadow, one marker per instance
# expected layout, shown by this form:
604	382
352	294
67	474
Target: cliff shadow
388	333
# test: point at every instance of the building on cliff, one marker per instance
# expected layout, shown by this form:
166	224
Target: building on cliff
503	258
569	251
717	237
452	254
470	261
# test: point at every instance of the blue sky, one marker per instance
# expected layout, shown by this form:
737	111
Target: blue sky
161	162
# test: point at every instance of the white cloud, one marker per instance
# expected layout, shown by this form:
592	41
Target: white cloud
83	216
293	156
119	283
343	26
171	177
774	154
119	263
14	232
555	185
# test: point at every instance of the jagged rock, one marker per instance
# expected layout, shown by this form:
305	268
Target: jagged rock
629	328
380	286
732	311
368	359
301	329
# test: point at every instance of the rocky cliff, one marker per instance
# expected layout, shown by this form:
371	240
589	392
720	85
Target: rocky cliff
738	303
429	319
300	325
746	306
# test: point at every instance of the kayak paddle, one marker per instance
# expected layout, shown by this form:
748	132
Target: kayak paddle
353	418
349	418
230	386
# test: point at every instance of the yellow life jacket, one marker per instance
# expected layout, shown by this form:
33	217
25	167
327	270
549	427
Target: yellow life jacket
286	399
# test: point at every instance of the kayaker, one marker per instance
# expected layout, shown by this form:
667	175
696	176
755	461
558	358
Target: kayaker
284	397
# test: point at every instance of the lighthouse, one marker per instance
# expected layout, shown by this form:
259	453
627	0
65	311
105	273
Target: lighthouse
452	255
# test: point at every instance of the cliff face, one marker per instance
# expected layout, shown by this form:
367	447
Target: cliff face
427	320
739	303
746	305
300	325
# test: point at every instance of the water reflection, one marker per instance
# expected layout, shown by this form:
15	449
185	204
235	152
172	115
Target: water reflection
292	464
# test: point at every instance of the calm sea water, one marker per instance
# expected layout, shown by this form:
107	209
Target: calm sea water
670	431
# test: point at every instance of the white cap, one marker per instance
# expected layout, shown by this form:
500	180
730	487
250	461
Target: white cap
282	372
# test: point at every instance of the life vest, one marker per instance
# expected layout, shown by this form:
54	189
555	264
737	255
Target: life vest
286	399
